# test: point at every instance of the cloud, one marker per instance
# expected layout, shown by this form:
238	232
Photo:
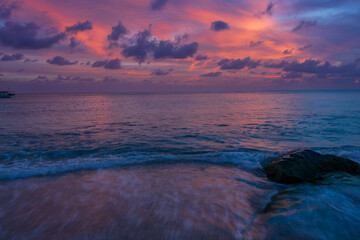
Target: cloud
12	57
304	24
158	4
139	46
108	64
60	79
25	36
117	31
169	49
288	51
27	60
238	64
160	72
58	60
268	10
79	27
41	78
211	74
275	65
143	44
74	42
305	47
219	26
201	57
291	75
311	66
254	44
6	9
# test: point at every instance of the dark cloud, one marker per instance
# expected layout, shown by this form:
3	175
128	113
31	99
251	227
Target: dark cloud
74	43
27	60
219	26
201	57
160	72
41	77
254	44
288	51
116	32
79	27
238	64
326	69
6	8
305	47
268	10
169	49
291	75
211	74
158	4
58	60
61	78
275	65
143	44
25	36
108	64
304	24
308	66
139	46
12	57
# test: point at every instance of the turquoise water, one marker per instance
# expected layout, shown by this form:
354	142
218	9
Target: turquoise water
173	166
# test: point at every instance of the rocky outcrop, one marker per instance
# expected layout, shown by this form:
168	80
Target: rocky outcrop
306	165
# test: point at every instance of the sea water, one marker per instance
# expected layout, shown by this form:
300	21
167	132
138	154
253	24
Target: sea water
174	166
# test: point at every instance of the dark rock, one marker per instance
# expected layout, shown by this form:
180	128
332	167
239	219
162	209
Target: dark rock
305	165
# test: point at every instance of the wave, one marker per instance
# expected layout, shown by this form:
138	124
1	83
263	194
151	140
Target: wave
247	159
22	165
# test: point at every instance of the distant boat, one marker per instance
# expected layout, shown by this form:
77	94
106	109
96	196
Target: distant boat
6	94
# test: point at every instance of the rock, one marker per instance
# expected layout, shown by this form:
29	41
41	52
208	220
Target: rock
305	165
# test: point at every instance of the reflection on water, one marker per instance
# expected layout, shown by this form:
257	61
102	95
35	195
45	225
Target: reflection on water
174	166
145	202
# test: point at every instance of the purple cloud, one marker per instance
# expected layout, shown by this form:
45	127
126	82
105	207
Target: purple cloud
12	57
74	42
254	44
304	24
268	10
288	51
7	8
219	26
108	64
143	44
305	47
238	64
201	57
117	31
211	74
160	72
60	61
79	27
25	36
158	4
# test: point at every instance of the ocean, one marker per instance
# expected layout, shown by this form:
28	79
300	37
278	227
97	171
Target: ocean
174	166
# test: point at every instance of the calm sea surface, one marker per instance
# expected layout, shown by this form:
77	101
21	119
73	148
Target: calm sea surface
174	166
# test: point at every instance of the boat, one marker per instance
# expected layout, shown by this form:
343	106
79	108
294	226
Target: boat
6	94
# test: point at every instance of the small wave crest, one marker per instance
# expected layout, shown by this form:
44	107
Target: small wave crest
247	159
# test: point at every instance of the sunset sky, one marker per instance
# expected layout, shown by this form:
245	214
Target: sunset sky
179	45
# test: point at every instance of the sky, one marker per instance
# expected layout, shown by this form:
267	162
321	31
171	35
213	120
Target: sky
179	45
